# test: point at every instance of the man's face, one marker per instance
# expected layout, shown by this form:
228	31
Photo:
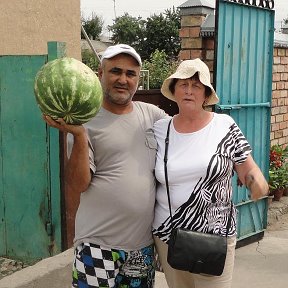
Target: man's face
119	77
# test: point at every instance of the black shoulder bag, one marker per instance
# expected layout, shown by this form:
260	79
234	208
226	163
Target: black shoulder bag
194	251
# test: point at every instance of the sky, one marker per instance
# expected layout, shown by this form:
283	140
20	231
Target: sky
145	8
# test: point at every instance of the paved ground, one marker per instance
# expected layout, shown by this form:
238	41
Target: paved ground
258	265
262	264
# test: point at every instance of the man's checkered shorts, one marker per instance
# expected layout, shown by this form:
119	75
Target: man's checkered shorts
95	266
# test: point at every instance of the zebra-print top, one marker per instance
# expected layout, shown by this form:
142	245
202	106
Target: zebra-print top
200	169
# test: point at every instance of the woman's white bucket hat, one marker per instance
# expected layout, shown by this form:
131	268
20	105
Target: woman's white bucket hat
186	70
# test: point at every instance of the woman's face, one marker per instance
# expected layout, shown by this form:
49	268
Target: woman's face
190	93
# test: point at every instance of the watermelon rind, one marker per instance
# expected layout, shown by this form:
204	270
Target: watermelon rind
67	88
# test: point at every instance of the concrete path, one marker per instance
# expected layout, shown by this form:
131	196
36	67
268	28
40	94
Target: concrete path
262	264
265	264
258	265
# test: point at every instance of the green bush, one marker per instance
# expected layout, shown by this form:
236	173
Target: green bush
89	59
160	67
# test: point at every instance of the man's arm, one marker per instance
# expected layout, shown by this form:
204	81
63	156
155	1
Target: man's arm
251	176
78	175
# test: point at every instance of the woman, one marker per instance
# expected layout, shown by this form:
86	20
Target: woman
204	150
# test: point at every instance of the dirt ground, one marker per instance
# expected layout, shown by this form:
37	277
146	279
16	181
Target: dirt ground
281	224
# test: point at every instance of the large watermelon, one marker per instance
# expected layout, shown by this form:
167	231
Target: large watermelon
66	88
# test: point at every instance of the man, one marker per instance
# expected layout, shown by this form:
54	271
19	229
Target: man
112	163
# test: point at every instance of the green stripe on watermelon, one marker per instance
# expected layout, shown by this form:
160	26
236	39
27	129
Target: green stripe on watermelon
66	88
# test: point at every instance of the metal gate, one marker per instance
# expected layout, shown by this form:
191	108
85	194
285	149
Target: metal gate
243	80
30	212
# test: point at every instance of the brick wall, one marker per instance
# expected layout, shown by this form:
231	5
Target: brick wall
279	111
192	44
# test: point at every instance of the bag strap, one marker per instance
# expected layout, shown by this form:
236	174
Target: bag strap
165	167
167	184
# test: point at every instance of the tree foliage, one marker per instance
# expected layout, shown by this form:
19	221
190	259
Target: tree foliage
127	29
93	26
156	39
162	33
89	59
158	32
160	67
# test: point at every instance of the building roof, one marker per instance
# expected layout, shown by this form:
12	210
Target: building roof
280	39
99	46
207	29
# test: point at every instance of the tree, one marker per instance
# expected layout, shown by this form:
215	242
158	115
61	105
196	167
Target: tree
92	26
127	29
146	36
162	33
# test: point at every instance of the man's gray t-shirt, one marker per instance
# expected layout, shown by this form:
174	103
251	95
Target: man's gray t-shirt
117	209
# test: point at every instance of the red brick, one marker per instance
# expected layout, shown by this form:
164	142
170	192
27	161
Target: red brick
191	43
280	85
184	54
281	102
284	60
283	125
283	109
282	141
274	102
210	54
278	134
194	32
275	127
283	93
276	60
276	94
279	118
192	20
280	68
208	44
184	32
196	53
284	76
274	141
281	52
276	77
275	111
